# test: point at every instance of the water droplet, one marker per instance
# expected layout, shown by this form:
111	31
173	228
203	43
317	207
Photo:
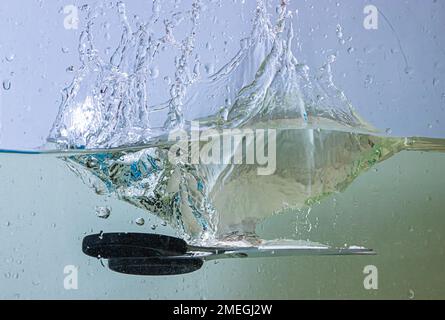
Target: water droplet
369	80
154	73
140	221
332	58
388	131
6	84
409	70
10	57
65	50
411	294
209	68
153	227
351	50
167	80
339	32
103	212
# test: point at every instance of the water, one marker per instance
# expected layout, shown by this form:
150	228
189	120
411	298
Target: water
396	209
224	201
110	102
224	198
106	128
108	106
329	176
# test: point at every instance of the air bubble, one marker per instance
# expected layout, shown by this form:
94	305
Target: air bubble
140	221
103	212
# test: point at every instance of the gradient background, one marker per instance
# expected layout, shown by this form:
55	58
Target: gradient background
45	210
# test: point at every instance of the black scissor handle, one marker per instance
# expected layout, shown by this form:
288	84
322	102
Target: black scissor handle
125	245
155	266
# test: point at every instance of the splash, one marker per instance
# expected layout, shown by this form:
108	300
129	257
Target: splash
109	104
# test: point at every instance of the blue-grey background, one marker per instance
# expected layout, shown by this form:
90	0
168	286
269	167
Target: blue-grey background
408	98
397	208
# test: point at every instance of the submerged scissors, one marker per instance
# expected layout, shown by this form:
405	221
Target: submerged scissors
155	254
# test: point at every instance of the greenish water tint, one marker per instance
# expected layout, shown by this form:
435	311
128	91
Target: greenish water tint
224	201
395	208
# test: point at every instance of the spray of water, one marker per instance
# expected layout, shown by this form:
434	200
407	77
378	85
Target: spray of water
109	104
